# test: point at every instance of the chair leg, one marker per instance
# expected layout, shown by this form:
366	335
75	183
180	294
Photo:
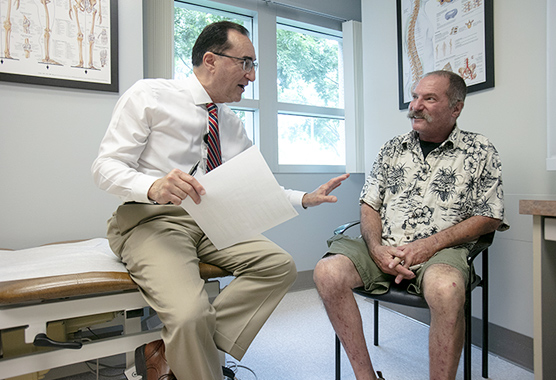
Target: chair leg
485	313
467	341
376	323
338	367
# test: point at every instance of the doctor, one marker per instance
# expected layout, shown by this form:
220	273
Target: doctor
155	137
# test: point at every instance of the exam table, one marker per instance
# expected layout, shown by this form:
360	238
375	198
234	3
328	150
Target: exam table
50	295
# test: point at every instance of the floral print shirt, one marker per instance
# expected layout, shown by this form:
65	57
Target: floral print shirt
418	197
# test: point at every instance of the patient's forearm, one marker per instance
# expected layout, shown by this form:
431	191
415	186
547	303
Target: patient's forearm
371	226
466	231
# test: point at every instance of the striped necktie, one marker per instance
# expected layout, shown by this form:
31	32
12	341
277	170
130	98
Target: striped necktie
214	154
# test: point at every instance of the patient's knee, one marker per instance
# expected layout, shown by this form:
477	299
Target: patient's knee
333	273
444	288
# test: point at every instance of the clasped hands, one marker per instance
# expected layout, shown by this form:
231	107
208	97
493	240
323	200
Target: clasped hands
397	261
177	185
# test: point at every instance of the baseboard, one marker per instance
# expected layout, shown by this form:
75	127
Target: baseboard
304	281
510	345
507	344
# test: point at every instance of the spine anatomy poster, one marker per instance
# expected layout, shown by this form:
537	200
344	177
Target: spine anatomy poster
441	35
57	39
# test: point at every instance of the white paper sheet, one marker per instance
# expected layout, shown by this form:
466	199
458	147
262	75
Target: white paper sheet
92	255
242	200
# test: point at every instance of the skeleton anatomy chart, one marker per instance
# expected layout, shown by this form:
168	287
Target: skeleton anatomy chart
442	34
60	39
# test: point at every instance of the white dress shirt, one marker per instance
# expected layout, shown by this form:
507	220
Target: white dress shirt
158	125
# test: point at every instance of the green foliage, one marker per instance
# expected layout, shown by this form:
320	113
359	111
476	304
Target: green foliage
188	24
306	62
308	74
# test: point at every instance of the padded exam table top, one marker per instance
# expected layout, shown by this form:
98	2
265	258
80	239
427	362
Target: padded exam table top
67	270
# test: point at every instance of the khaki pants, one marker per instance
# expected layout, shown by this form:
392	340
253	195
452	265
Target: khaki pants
161	246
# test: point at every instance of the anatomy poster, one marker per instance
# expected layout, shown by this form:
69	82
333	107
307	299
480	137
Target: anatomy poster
71	43
443	35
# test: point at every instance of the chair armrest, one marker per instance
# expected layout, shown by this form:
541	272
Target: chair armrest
483	243
341	229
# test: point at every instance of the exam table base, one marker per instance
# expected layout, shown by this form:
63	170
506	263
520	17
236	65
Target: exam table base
35	317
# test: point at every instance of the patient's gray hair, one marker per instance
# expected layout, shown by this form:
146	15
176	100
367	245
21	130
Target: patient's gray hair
457	89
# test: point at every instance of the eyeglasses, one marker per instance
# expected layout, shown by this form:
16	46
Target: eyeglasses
248	63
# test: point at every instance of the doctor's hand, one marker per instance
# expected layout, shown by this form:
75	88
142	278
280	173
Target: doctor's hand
175	187
321	195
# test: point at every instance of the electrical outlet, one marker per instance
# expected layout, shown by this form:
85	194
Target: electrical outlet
132	374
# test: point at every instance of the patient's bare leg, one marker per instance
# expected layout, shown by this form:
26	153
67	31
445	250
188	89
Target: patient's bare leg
335	277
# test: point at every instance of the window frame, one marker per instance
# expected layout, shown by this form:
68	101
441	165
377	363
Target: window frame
285	108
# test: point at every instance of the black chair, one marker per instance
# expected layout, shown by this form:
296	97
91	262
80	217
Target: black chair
399	295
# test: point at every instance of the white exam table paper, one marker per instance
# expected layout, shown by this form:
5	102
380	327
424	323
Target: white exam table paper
242	200
92	255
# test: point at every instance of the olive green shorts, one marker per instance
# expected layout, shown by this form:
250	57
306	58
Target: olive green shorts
378	282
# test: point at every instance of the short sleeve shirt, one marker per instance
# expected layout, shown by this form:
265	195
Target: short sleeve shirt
418	197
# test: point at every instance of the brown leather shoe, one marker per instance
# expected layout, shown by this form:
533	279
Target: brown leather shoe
150	362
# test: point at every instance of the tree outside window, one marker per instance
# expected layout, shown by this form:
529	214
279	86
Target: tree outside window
309	73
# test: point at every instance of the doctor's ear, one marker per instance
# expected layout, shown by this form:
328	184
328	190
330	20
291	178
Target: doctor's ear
209	61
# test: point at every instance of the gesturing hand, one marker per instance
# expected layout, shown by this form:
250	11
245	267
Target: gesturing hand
321	194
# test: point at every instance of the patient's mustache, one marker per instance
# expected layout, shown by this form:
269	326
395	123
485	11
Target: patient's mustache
412	114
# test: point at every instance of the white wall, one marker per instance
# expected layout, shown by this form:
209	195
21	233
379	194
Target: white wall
49	138
512	115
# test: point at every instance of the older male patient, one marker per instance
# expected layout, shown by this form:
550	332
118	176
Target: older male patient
431	193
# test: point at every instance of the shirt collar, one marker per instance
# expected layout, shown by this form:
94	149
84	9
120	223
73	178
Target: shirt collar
453	138
198	92
411	139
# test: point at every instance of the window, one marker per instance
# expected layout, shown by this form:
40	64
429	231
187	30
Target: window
296	117
309	67
248	119
309	74
309	140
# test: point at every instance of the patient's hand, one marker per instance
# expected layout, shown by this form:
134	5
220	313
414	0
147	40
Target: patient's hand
175	187
402	270
386	259
416	252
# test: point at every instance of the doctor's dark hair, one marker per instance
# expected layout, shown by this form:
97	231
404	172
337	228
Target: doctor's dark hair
457	89
214	38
